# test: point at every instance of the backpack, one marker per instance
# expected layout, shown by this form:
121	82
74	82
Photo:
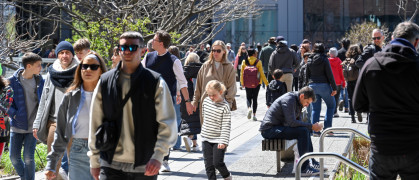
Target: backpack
350	71
251	75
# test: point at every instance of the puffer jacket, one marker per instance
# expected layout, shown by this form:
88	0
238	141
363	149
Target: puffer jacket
274	90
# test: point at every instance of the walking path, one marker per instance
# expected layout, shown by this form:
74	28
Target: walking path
245	158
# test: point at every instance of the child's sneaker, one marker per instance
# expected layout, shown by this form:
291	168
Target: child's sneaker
195	148
249	114
188	143
310	171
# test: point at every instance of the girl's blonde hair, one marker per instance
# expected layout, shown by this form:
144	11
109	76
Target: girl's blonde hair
224	49
192	58
216	85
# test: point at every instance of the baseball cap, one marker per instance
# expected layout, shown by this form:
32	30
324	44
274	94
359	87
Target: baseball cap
228	44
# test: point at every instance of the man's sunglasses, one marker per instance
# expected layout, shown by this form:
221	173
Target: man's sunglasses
376	38
216	50
92	67
130	48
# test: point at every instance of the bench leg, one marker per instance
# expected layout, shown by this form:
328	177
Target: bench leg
278	161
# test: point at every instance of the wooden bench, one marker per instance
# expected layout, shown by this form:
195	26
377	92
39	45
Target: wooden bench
277	145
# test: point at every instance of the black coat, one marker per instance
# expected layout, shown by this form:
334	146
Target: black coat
387	87
319	70
190	124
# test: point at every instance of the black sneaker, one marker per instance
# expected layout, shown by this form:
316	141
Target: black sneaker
310	171
316	165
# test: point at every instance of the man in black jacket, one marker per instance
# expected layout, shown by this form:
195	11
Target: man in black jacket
282	121
387	88
371	49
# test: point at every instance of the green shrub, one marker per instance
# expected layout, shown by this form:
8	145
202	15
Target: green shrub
40	160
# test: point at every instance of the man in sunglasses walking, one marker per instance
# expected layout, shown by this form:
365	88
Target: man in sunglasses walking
371	49
60	76
170	67
145	125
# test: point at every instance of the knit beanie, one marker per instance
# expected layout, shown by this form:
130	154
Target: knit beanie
64	45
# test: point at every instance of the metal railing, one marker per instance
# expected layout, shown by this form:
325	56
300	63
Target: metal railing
345	160
335	129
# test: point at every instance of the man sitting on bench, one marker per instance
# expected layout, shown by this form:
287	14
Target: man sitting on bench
282	121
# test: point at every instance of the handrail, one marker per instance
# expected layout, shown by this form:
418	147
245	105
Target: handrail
324	155
335	129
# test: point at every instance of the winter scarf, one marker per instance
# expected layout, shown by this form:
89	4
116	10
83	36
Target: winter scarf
62	78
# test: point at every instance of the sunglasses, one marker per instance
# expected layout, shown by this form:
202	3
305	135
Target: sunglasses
376	38
92	67
216	50
130	48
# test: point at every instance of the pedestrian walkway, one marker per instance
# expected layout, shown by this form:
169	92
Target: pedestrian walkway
245	158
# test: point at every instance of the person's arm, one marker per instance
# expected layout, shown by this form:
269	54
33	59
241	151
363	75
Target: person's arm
167	131
236	62
198	87
59	144
288	109
368	53
225	126
241	72
271	64
183	84
96	119
360	97
341	75
230	84
41	107
267	96
262	74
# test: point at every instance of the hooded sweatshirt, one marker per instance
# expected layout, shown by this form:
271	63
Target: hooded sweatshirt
319	70
335	64
283	58
387	87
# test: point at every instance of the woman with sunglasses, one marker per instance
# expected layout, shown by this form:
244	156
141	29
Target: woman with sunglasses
73	120
216	68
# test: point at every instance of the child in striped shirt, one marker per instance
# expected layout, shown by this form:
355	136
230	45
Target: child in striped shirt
215	130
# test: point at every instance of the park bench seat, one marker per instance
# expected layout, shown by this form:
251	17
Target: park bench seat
277	145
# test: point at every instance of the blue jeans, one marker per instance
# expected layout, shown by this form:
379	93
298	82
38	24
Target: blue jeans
79	161
344	96
26	168
302	134
323	91
178	120
64	162
387	167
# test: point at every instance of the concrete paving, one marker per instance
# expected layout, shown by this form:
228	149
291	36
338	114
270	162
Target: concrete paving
245	158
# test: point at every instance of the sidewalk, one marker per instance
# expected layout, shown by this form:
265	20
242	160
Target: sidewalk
245	158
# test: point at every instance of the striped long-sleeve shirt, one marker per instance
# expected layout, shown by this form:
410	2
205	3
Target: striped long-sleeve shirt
216	121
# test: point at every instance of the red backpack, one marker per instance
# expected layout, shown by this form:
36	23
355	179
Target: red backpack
251	75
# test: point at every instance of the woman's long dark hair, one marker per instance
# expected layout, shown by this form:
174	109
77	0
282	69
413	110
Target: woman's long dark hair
77	75
318	48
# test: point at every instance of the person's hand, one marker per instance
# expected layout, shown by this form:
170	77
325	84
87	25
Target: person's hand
35	133
221	146
152	168
333	93
316	127
189	108
194	107
268	106
178	99
95	173
50	175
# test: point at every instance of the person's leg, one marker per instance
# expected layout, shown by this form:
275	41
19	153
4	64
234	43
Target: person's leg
409	166
218	159
15	149
337	98
178	120
249	97
29	155
317	105
287	78
295	84
351	87
330	104
345	98
80	164
51	130
382	167
207	149
255	94
111	174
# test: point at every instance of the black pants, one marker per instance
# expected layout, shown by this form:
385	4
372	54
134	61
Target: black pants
252	95
337	97
113	174
295	84
214	159
351	89
388	167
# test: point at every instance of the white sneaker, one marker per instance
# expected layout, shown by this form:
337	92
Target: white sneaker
249	114
254	118
165	166
195	148
229	177
188	143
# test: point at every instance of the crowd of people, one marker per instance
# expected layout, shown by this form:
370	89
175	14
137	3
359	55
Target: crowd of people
123	122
